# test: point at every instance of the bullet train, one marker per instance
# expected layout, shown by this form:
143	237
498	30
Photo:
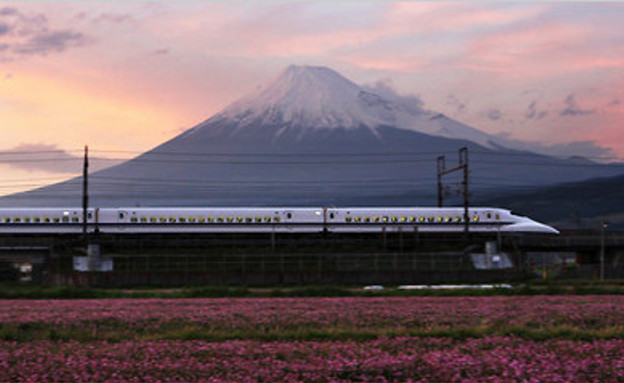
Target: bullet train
137	220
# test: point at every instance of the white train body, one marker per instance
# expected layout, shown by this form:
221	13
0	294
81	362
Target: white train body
259	220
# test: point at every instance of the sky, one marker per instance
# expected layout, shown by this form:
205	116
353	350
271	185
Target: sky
126	76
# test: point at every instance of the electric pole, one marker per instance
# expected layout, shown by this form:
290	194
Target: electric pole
463	165
85	192
602	250
441	168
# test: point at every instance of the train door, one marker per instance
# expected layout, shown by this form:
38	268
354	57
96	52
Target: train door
331	218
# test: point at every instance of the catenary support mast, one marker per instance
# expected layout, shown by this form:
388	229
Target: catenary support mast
463	166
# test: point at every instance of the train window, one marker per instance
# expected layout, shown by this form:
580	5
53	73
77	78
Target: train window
267	219
163	219
134	220
7	220
26	219
412	219
421	219
17	219
276	219
202	219
143	219
89	215
46	219
210	219
192	219
230	219
347	219
375	219
65	219
403	219
172	219
331	215
439	219
448	219
239	219
56	219
182	219
36	219
75	220
430	219
289	215
357	219
258	219
220	219
367	219
153	219
497	216
121	215
457	219
475	218
384	219
489	215
248	219
394	219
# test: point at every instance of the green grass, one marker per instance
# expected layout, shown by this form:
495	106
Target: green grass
536	287
86	332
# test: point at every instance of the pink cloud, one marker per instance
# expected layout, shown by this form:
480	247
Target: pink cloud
541	51
291	29
385	63
532	49
436	17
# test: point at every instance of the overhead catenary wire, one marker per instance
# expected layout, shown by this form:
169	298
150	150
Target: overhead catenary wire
478	162
347	154
310	155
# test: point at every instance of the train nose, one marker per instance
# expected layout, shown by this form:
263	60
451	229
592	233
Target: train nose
546	229
529	226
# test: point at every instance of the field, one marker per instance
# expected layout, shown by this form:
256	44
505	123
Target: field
460	339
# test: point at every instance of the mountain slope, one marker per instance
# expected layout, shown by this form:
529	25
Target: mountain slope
572	205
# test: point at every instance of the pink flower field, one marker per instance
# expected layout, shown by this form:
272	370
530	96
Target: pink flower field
398	313
488	359
429	339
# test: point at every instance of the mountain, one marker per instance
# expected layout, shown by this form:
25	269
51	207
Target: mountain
313	137
578	205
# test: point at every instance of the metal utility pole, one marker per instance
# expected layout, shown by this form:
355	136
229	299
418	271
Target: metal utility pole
85	192
463	165
441	166
602	249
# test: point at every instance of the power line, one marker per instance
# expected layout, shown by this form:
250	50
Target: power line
420	153
343	154
312	162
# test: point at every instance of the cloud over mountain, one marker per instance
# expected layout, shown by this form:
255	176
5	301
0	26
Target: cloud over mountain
51	159
533	114
572	109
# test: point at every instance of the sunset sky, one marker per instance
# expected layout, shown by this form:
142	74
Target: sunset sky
127	76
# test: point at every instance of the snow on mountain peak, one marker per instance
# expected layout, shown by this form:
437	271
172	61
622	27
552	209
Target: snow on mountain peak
314	97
